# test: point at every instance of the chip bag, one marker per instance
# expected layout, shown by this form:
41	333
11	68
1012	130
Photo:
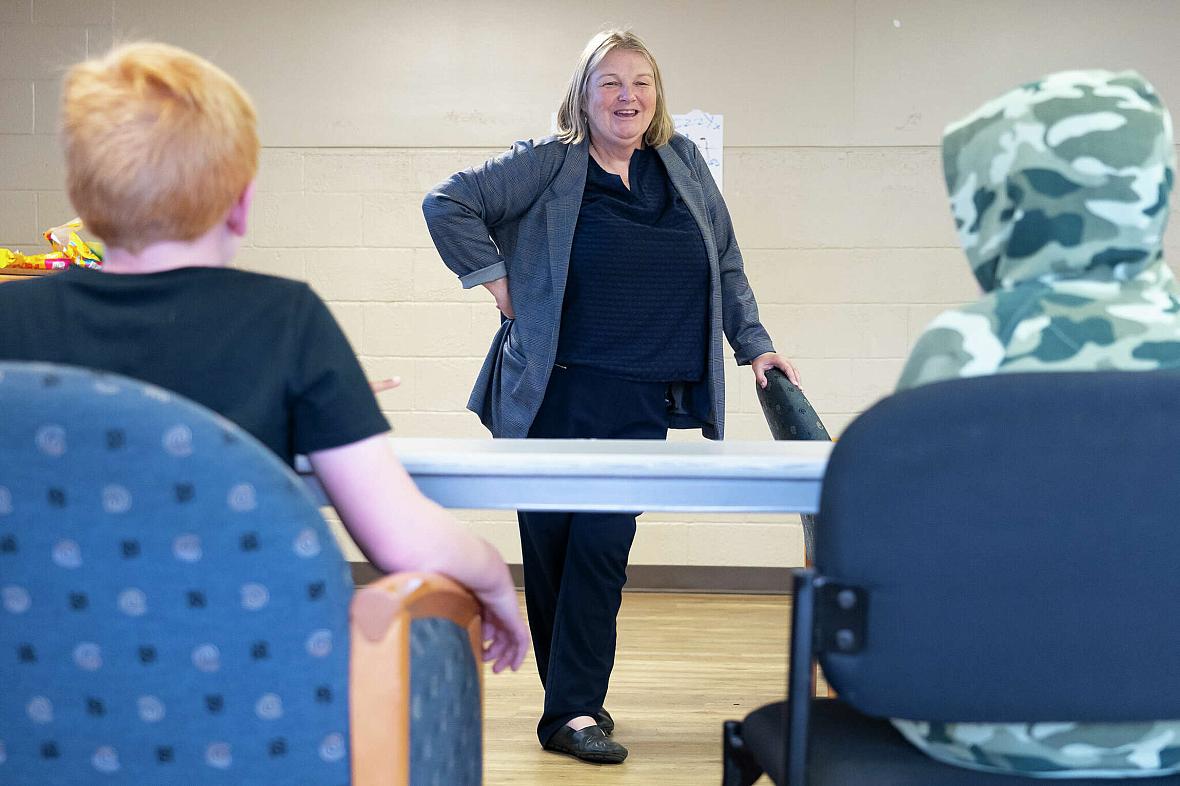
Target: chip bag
15	260
69	248
67	240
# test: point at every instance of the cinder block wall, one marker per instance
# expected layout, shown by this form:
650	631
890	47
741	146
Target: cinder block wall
832	108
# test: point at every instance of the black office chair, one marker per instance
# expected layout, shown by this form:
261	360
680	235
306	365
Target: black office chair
1000	549
790	416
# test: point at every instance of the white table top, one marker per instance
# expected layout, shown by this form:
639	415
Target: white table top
616	475
621	457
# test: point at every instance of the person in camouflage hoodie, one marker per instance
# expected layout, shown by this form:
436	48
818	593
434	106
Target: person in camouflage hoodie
1059	190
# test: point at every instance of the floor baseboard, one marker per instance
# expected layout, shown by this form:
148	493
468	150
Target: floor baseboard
667	578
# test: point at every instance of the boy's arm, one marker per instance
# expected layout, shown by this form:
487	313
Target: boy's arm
399	529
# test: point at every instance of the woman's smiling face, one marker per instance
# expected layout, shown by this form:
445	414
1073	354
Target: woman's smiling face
621	99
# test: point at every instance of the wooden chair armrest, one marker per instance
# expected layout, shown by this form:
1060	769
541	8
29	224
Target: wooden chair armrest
379	672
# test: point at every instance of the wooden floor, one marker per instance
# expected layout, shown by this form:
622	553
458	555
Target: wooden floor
685	663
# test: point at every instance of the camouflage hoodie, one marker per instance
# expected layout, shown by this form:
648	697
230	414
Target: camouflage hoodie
1059	190
1060	194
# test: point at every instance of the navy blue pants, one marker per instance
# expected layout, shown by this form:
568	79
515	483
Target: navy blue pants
575	564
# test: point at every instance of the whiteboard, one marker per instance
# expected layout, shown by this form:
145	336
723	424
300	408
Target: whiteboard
707	130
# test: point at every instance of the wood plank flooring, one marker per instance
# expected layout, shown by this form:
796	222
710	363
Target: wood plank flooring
685	663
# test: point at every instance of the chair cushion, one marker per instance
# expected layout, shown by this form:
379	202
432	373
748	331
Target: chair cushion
765	733
847	748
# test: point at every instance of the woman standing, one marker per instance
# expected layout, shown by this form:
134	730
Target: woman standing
611	257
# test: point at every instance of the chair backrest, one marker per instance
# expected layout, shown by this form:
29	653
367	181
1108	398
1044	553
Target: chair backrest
790	416
172	607
1017	537
787	411
423	727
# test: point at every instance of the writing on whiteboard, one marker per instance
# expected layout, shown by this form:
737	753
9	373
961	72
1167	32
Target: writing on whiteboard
707	131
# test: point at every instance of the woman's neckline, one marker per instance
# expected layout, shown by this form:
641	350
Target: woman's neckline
594	149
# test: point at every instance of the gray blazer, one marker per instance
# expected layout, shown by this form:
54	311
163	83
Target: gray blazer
515	215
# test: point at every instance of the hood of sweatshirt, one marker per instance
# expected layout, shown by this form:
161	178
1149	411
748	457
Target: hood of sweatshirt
1060	191
1062	178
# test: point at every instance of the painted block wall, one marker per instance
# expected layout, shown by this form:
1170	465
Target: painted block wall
833	113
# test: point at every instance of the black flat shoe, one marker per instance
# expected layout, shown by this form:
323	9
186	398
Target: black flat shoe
588	744
605	722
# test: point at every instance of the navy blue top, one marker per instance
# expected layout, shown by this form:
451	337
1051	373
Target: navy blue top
637	292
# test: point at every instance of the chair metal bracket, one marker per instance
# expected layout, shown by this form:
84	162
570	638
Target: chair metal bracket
841	617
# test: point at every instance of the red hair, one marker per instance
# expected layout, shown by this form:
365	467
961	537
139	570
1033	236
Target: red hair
159	144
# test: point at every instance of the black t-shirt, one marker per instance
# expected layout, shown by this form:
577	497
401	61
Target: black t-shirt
260	350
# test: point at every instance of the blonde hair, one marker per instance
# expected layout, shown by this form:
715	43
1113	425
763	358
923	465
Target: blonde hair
159	144
572	123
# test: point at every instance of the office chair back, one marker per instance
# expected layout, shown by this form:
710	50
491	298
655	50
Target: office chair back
1016	537
788	413
172	607
790	416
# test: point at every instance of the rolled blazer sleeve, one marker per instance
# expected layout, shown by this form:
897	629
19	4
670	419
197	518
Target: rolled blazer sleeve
739	309
463	211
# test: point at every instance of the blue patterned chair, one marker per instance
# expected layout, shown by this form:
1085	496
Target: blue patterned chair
174	610
425	629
